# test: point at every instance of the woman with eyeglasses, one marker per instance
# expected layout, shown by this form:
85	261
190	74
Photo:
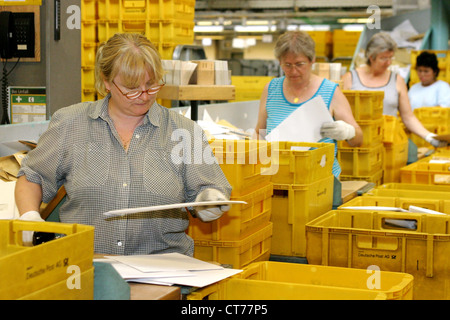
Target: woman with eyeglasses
429	92
376	76
295	51
121	152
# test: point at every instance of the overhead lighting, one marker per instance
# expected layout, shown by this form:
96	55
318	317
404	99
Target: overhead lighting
355	20
240	28
208	28
206	42
353	27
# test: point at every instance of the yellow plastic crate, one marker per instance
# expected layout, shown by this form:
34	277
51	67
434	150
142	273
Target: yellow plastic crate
147	9
88	10
360	238
376	178
60	290
26	270
424	172
366	105
372	134
292	207
288	281
177	31
395	158
440	205
250	82
88	51
243	162
238	253
361	161
393	130
88	77
301	162
429	191
89	31
396	285
241	221
433	115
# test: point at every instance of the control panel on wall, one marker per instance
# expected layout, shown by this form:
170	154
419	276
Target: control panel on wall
17	34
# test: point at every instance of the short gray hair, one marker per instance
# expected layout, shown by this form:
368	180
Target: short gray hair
297	42
380	42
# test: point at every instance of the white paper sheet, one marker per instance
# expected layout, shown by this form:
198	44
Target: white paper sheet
122	212
303	125
8	208
164	262
196	279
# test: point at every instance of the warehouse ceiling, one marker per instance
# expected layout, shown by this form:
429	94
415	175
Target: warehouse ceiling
225	15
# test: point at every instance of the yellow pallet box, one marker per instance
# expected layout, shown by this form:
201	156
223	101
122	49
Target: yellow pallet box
291	281
236	253
307	278
244	163
240	221
362	238
425	171
147	9
365	104
372	130
292	207
301	162
361	161
429	191
440	205
26	270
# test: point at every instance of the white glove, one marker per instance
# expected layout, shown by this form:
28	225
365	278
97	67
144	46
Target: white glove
27	236
211	213
337	130
434	142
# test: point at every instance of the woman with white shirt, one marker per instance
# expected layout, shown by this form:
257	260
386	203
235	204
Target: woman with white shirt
429	92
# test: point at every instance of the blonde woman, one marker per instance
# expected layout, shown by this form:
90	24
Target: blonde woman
375	75
295	51
116	153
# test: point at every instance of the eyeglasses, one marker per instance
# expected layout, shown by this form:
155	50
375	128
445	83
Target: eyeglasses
297	65
134	94
386	58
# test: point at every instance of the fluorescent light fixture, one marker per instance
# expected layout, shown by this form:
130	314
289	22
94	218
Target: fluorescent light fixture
208	28
206	42
238	43
353	27
240	28
355	20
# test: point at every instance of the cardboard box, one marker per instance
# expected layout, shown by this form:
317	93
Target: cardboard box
204	73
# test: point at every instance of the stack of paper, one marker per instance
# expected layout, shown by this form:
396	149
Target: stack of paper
168	269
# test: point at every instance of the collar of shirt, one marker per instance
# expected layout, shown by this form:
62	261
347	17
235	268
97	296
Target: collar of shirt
100	110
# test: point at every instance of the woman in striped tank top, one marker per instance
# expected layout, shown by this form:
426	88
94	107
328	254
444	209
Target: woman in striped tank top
295	51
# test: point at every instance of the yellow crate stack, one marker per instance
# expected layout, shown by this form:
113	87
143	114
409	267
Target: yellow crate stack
243	234
365	162
303	190
395	143
443	57
167	23
406	242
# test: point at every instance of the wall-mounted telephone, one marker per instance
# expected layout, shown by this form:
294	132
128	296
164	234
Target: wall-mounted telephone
16	34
